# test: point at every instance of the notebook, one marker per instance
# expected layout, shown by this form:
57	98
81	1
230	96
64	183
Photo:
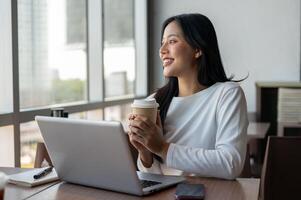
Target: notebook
97	154
26	178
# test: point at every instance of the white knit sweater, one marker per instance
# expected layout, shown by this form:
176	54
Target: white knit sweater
206	132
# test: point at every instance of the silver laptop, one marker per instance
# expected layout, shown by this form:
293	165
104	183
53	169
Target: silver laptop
97	154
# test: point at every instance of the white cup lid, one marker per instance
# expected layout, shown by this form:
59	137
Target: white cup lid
145	103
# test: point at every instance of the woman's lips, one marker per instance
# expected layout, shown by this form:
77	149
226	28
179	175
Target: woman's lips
167	61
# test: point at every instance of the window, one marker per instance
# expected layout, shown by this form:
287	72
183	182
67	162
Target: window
30	136
6	97
77	54
119	48
52	52
91	115
118	113
7	146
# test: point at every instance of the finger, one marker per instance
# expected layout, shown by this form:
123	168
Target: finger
146	120
131	136
135	143
133	128
137	131
130	133
137	138
158	120
131	116
139	124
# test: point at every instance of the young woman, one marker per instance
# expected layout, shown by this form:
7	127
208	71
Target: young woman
202	124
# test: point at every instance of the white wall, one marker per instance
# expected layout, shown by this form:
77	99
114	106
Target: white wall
259	37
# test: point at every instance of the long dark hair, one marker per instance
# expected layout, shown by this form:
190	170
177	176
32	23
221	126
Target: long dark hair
199	33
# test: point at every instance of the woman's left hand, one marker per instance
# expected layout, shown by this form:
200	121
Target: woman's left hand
149	134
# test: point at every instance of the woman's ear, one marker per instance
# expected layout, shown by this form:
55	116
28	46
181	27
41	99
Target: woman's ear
198	53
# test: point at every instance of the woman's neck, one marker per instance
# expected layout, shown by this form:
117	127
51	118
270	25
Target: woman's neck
189	86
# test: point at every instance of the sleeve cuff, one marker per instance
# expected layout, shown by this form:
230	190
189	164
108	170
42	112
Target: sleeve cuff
169	156
154	169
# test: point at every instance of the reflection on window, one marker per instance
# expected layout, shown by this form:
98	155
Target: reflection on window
30	136
119	48
118	113
90	115
52	52
7	146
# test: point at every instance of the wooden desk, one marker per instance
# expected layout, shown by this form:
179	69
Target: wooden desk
257	130
215	189
13	192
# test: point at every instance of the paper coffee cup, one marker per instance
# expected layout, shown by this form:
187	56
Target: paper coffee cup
3	180
146	107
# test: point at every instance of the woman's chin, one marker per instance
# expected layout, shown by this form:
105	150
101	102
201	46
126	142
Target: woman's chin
167	73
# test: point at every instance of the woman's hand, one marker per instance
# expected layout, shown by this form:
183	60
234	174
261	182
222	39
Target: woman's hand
148	134
145	155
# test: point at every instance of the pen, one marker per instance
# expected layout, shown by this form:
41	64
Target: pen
42	173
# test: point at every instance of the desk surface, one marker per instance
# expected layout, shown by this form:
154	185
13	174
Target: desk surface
215	189
257	130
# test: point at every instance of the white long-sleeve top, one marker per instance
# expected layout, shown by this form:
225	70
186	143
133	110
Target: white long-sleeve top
207	134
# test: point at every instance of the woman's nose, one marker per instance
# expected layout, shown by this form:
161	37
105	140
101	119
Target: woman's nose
163	49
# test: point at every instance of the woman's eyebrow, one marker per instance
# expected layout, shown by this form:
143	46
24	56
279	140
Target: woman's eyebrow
171	35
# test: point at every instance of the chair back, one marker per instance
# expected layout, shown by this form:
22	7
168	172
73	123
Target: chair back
281	172
41	155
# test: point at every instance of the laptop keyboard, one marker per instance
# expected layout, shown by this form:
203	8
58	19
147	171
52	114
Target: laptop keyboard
146	183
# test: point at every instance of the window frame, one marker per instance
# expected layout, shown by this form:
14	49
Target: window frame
95	86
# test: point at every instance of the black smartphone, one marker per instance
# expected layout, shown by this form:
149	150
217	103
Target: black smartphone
186	191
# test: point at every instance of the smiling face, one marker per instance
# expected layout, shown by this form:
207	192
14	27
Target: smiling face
178	57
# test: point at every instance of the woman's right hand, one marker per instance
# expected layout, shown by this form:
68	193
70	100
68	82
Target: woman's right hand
140	148
145	155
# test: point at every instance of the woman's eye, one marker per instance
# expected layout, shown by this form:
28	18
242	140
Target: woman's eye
168	42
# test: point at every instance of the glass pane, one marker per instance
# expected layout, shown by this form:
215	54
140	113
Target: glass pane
119	48
7	158
118	113
6	97
91	115
30	136
6	88
52	52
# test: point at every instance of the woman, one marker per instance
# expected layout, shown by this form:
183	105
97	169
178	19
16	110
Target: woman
201	128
